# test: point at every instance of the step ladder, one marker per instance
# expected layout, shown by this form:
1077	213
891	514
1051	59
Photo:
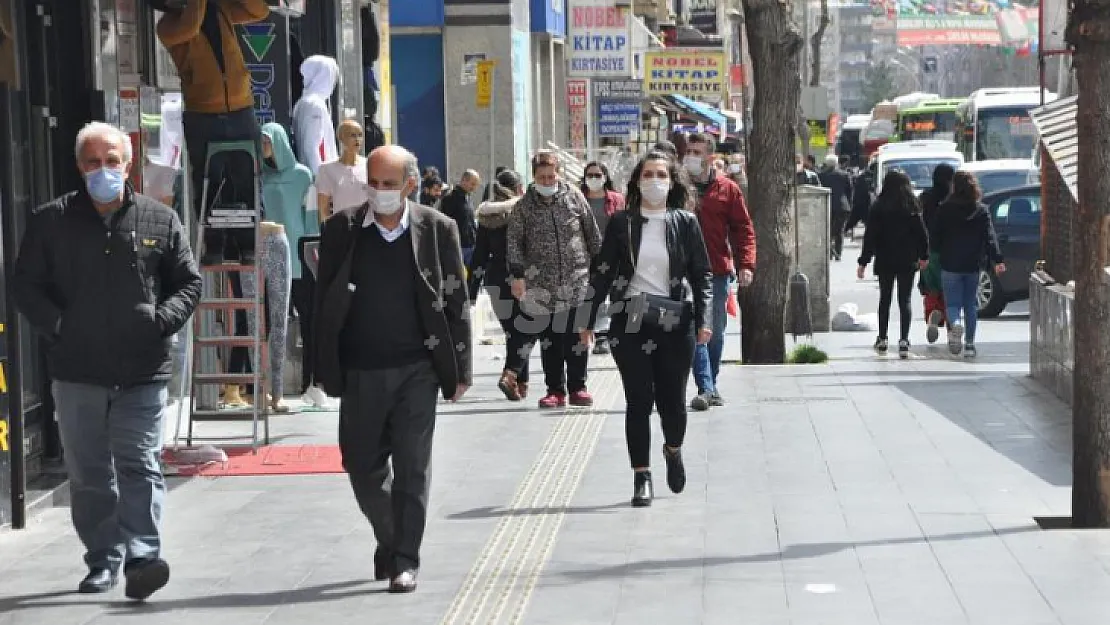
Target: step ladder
214	334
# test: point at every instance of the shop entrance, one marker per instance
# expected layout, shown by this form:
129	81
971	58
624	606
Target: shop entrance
61	95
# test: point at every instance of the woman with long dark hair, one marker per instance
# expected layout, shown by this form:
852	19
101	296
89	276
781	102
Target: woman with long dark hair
597	186
654	268
963	234
489	265
896	239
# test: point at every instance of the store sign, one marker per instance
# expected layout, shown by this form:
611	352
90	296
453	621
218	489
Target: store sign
578	95
694	73
979	30
617	118
600	44
628	89
265	47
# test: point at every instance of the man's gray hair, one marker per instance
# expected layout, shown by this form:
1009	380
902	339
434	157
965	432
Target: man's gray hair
412	167
108	132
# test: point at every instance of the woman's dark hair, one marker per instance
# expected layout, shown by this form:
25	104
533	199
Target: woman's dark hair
680	186
506	185
897	193
965	187
942	177
604	172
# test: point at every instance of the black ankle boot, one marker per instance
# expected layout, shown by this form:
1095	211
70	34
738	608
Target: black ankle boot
642	490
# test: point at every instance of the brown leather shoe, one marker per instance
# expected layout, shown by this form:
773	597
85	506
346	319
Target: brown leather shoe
522	389
404	582
508	385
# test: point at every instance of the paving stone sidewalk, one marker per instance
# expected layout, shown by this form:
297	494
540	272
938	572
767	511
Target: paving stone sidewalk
868	490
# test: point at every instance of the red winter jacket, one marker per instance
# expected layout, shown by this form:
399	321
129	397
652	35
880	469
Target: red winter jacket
725	222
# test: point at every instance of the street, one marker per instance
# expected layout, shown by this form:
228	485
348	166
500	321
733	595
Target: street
867	490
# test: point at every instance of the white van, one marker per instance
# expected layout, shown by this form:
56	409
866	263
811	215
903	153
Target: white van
916	159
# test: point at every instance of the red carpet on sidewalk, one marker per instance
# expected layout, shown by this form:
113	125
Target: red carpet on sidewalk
270	460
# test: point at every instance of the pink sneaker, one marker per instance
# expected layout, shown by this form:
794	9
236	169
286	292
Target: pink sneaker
581	398
553	400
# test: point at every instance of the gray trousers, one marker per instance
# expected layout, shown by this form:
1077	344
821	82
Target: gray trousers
384	415
112	440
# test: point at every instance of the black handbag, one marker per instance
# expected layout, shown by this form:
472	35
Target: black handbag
651	310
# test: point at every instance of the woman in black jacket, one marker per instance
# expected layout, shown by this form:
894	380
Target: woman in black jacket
654	268
896	239
489	265
963	235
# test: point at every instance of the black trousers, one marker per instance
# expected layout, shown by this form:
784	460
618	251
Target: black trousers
837	220
232	175
562	352
886	290
654	365
387	417
518	343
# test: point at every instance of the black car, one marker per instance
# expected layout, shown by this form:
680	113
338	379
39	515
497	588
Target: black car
1017	221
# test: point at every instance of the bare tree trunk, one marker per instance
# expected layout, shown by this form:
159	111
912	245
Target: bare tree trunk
775	45
815	44
1089	34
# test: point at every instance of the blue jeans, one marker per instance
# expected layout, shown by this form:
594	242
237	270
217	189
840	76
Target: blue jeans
707	358
961	291
112	439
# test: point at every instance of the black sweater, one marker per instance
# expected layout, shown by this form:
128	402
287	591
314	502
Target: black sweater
895	238
963	235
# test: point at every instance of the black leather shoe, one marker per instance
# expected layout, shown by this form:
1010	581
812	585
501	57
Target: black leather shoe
676	471
383	565
146	578
404	582
97	581
642	491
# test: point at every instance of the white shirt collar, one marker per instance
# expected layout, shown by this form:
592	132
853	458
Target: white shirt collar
387	234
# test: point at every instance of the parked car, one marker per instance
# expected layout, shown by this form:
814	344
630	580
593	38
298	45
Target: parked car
1017	221
998	175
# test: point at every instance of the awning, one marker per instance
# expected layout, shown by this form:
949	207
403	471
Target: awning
703	112
737	119
1059	133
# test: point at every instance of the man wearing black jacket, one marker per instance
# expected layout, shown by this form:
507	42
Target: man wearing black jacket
839	183
107	276
457	206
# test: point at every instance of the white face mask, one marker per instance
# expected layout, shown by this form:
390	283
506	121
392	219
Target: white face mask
595	184
734	168
655	191
385	202
693	164
546	191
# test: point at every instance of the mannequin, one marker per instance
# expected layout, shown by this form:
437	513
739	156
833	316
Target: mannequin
218	101
312	125
341	184
284	186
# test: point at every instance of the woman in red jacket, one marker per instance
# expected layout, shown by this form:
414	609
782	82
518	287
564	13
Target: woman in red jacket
597	186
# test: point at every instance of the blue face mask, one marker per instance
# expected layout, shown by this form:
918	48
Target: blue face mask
105	184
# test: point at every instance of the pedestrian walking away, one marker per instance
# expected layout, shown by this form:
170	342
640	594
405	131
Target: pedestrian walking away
654	267
963	234
730	244
392	330
490	266
931	283
895	238
604	201
839	183
551	240
106	276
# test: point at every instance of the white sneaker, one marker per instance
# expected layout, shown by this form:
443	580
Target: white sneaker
317	398
955	339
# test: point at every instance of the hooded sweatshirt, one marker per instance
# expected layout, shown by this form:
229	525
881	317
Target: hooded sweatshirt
313	130
490	261
284	185
963	235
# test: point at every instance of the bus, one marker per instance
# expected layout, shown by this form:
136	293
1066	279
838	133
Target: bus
995	124
849	140
935	119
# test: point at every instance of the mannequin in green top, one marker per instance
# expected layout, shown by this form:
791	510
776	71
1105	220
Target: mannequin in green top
285	184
